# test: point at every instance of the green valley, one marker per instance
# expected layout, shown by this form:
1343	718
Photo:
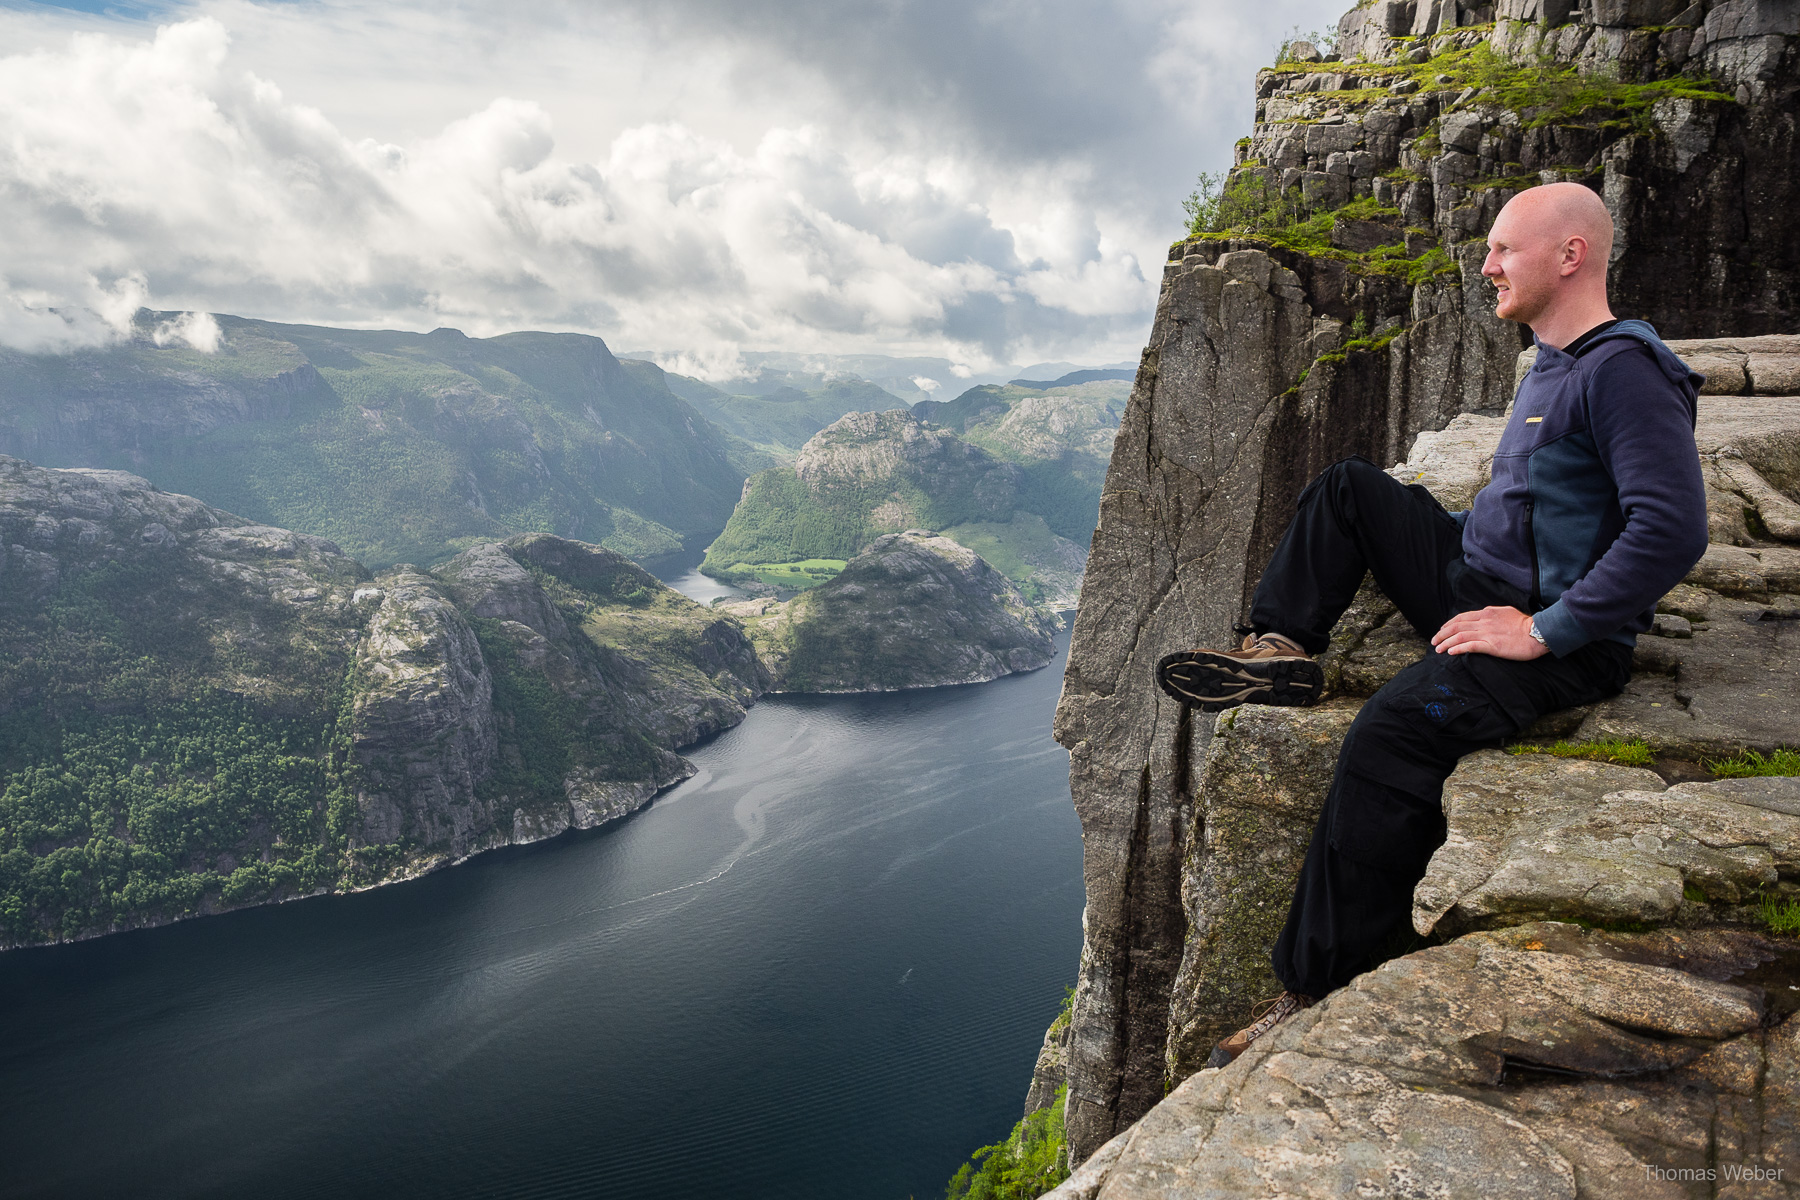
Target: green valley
1011	472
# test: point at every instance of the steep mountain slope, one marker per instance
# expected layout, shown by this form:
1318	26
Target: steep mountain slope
875	473
398	446
200	713
1060	435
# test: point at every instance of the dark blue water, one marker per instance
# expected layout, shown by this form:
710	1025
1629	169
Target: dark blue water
821	968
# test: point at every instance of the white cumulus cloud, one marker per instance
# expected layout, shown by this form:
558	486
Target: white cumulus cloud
693	207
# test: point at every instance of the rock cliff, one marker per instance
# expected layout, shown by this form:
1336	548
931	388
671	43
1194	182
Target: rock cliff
1688	872
1335	307
199	713
912	610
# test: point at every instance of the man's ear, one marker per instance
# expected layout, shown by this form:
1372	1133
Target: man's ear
1574	254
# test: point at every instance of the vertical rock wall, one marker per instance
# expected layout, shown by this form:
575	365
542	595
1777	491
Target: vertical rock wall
1271	357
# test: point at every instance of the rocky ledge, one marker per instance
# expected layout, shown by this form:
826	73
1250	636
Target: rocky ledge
1540	1061
1330	303
912	610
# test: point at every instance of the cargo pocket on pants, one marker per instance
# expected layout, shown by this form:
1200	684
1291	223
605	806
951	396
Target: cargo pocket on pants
1383	827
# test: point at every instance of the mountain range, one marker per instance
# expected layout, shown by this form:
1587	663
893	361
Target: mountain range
399	447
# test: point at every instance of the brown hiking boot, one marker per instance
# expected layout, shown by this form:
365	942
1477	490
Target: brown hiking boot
1267	669
1266	1016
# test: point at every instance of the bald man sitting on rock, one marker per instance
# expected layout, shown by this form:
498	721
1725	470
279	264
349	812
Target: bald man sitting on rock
1532	599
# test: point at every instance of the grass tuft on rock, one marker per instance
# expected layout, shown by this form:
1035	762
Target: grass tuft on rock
1748	764
1546	92
1781	916
1630	752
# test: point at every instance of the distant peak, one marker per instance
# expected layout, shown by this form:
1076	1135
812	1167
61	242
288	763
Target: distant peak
1073	378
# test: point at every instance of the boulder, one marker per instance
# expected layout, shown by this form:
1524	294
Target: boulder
1533	839
1262	787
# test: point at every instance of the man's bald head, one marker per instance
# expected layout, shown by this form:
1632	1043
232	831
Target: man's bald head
1559	211
1547	256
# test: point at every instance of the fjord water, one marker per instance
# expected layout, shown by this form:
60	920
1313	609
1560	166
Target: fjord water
821	968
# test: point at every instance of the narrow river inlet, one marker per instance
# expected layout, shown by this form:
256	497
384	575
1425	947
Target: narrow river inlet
821	968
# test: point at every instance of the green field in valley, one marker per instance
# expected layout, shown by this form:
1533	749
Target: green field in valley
798	576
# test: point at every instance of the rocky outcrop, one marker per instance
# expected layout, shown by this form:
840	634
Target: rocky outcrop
423	721
203	713
913	610
1539	1061
1542	844
1338	309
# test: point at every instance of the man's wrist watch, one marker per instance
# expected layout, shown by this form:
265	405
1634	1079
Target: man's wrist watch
1536	636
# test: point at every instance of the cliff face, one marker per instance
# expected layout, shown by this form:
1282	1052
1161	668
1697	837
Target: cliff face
200	713
1339	310
1612	1012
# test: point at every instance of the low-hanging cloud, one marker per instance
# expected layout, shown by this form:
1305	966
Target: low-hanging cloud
852	210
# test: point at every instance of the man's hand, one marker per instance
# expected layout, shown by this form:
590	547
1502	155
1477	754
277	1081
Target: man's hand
1501	632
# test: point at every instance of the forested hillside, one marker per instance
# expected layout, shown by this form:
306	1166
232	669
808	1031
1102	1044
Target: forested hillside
199	713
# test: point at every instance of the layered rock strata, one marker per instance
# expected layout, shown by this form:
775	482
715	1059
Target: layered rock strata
1339	310
1539	1061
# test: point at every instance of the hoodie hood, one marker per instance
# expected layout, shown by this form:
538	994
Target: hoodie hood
1678	372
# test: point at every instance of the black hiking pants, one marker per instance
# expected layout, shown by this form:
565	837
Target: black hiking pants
1383	817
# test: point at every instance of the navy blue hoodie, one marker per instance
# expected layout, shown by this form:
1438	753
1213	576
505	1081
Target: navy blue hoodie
1597	507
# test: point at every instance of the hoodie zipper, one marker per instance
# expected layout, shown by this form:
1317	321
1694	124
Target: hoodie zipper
1537	594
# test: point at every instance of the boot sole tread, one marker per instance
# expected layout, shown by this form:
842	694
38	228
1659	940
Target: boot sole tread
1213	682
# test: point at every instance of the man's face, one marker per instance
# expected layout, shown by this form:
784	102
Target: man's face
1525	267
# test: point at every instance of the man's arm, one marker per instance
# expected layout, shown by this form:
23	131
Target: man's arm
1644	433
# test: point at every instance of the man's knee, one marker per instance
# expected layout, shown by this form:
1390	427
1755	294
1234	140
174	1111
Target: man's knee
1347	484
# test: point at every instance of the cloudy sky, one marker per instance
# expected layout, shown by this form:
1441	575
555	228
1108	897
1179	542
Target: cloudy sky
991	181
